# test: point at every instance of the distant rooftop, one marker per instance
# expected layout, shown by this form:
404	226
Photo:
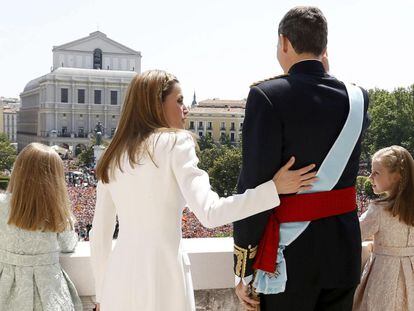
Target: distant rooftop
35	83
222	103
215	110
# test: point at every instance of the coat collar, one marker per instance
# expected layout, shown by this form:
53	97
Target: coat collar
312	66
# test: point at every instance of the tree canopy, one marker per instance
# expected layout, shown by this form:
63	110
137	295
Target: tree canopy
7	153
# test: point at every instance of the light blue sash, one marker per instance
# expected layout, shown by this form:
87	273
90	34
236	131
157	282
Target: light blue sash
329	173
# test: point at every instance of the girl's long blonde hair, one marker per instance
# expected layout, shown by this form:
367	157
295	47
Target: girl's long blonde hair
142	114
39	197
400	199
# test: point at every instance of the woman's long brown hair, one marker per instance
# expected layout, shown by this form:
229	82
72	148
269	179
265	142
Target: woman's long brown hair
141	115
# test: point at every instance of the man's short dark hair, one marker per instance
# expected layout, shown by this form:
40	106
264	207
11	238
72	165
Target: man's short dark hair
306	28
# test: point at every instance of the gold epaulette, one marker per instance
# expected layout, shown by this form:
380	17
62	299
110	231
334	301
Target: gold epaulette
268	79
242	255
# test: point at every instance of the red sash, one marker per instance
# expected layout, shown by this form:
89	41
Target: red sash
302	207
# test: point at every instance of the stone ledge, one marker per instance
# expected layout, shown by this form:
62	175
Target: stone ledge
210	261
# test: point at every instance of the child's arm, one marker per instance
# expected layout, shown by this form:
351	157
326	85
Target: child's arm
67	241
369	222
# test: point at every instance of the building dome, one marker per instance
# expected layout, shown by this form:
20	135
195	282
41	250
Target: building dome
33	84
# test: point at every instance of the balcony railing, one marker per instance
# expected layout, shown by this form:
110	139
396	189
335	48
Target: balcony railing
209	259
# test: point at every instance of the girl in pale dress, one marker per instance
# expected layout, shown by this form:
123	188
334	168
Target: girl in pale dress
388	277
36	224
147	176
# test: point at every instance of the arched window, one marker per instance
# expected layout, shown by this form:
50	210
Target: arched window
97	59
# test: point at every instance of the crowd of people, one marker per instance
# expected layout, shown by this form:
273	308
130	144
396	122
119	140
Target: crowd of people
81	183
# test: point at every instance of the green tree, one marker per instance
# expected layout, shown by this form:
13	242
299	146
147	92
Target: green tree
225	171
225	140
4	181
7	153
208	156
392	120
368	189
86	157
206	142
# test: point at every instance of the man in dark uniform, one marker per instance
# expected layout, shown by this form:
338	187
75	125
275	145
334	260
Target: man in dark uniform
300	114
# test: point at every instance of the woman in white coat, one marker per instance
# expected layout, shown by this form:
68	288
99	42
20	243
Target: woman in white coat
147	175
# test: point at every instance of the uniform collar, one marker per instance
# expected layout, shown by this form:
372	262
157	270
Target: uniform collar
307	66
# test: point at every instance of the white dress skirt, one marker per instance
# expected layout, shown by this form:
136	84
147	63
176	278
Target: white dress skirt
145	269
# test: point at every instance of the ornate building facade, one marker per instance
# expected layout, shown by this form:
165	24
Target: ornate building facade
87	85
8	117
216	118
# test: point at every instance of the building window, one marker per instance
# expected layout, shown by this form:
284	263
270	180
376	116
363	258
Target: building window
98	99
97	59
200	125
232	128
64	130
113	131
200	134
64	115
81	132
114	98
191	125
209	134
64	95
209	125
81	116
81	96
232	137
97	116
113	117
241	126
223	126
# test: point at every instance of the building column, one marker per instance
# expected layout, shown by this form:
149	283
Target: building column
73	107
105	120
56	104
90	101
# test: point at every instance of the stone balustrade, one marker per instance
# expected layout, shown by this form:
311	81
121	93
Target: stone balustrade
210	261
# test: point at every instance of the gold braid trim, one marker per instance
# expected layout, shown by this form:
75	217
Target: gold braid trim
268	79
253	252
242	255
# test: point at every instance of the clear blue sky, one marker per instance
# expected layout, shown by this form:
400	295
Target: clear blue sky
216	47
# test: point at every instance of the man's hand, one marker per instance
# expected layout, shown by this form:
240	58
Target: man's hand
242	292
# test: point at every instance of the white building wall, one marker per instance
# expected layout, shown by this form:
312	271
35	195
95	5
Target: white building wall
110	61
43	112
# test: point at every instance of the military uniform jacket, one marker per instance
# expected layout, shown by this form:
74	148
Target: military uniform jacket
300	114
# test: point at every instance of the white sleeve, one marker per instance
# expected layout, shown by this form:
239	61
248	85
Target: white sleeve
211	210
101	235
246	280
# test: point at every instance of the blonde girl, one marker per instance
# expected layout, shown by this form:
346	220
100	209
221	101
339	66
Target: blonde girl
35	225
388	277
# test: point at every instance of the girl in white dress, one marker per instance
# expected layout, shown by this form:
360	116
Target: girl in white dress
147	176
